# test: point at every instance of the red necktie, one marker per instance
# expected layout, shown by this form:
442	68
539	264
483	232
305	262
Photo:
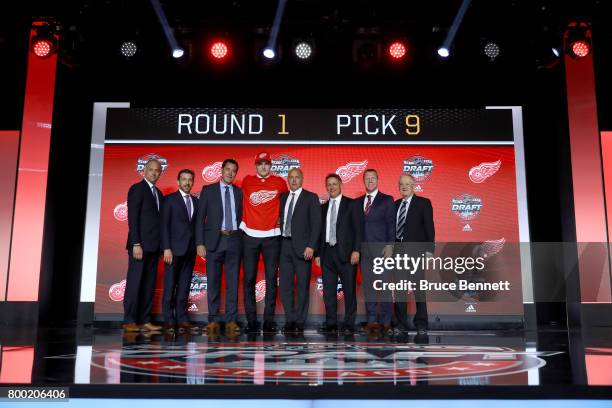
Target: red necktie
368	205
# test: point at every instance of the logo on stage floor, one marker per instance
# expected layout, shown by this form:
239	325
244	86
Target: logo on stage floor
478	174
467	207
351	170
470	308
489	248
318	362
212	173
199	285
339	291
121	211
260	290
282	163
142	162
419	167
193	308
117	291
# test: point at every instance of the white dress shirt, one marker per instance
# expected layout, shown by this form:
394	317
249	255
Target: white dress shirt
331	200
183	194
295	198
365	201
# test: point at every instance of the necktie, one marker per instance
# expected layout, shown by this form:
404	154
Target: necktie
401	221
368	205
229	222
289	215
154	191
188	204
332	224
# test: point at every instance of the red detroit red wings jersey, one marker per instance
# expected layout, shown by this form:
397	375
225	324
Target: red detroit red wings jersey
261	205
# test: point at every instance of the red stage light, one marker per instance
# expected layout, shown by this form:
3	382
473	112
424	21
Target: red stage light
219	50
581	48
42	48
397	50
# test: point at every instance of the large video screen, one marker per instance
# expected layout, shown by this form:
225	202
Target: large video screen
468	162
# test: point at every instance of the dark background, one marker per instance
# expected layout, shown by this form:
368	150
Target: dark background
91	69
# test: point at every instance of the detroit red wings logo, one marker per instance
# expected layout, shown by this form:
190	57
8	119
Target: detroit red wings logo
260	290
121	211
483	171
490	248
351	170
212	173
262	196
117	291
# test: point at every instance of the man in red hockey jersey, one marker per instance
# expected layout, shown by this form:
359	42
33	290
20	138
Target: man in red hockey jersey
260	223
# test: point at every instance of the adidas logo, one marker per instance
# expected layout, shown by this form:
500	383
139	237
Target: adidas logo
470	309
193	308
467	228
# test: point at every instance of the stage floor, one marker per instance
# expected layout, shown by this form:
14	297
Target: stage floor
103	362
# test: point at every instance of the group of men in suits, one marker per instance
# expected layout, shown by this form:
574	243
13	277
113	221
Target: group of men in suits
284	225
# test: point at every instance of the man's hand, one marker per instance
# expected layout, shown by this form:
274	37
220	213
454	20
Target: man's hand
354	258
388	251
168	256
201	249
318	261
308	253
137	252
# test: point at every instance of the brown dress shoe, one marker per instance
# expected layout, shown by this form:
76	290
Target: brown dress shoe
387	329
130	327
232	329
372	327
150	327
169	328
212	328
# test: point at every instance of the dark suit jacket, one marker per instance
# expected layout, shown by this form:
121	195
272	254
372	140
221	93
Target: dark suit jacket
419	225
143	217
305	222
347	233
379	225
177	231
210	215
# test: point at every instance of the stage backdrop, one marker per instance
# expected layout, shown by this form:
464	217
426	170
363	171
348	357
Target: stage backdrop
456	156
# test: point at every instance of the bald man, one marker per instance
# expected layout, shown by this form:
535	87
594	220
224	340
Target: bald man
300	215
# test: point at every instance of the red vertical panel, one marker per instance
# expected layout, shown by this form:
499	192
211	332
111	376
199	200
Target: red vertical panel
9	148
587	175
17	364
26	247
606	155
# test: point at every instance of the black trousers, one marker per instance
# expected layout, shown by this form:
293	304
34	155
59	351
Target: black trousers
226	257
177	281
294	269
139	287
333	268
400	306
253	248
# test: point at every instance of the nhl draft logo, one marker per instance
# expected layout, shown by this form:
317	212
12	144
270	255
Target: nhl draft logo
478	174
305	362
117	291
339	291
262	196
121	211
351	170
198	287
467	207
260	290
212	173
419	167
283	163
142	162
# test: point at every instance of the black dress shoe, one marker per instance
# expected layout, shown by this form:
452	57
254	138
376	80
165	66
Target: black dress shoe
421	331
328	328
349	329
269	327
252	327
289	327
299	328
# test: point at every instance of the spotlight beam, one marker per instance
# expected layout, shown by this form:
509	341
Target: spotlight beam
450	37
278	18
165	25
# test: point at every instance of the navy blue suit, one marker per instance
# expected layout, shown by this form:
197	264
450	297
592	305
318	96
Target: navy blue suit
223	252
378	227
177	232
144	229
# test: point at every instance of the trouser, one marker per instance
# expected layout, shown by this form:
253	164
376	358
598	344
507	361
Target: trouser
269	248
177	281
226	257
139	287
333	267
294	269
